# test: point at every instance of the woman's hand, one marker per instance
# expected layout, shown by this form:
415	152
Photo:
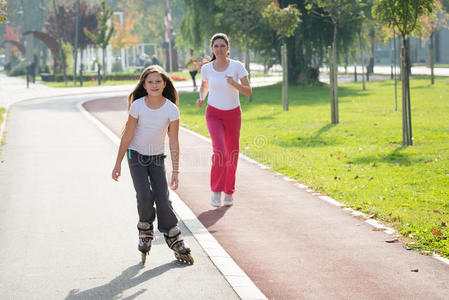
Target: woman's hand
174	180
231	80
199	102
116	172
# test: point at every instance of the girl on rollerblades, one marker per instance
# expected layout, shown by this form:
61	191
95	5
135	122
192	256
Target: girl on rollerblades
153	112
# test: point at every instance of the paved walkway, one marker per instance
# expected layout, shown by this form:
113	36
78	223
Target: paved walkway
292	244
67	230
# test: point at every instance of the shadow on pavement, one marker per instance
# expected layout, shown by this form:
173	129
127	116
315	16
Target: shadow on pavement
210	217
123	282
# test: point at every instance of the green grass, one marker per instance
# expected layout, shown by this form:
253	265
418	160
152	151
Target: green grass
360	161
428	65
2	111
85	83
184	75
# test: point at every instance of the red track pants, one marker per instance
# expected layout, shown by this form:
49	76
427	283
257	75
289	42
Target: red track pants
224	129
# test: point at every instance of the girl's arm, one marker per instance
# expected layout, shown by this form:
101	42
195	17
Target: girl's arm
203	93
124	144
173	130
244	87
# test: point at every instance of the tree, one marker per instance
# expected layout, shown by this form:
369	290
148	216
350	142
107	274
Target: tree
337	11
104	33
67	28
12	34
198	22
430	26
123	37
3	11
404	15
284	22
242	20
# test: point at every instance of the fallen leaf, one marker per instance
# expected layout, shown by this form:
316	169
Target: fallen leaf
436	233
437	211
392	241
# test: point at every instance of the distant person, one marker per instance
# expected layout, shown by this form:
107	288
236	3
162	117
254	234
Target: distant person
155	61
192	64
223	78
153	113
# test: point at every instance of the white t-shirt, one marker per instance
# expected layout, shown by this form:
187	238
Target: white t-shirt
152	126
222	95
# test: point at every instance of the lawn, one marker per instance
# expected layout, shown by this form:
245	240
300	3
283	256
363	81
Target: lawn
361	161
183	75
2	111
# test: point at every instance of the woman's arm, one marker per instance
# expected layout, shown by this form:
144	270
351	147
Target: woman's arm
124	144
173	131
244	87
203	93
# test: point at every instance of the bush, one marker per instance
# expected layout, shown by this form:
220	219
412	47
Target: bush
18	70
117	66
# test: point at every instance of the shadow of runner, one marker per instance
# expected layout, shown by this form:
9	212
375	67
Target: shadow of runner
210	217
121	283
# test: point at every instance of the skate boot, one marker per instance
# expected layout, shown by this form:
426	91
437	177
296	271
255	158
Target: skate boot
174	242
145	238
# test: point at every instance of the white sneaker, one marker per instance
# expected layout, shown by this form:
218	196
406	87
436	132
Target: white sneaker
215	200
228	200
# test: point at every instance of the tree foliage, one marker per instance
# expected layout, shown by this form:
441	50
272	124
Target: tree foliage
124	37
66	16
403	14
102	38
283	21
3	11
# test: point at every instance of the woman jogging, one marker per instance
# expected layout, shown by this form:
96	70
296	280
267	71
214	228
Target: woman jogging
220	78
153	112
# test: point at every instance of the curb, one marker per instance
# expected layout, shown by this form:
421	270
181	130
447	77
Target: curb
236	277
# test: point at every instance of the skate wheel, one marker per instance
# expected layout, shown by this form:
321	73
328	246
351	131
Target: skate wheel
144	258
185	258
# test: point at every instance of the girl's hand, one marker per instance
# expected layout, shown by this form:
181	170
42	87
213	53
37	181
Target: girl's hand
116	173
199	102
174	181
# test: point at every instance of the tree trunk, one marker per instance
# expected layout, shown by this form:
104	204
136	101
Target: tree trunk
334	99
61	52
75	50
432	58
406	110
372	36
104	64
284	77
247	58
363	61
81	67
395	56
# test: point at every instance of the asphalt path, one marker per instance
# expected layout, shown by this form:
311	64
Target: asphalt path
292	244
67	230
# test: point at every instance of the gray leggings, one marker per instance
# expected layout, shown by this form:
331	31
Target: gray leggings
150	183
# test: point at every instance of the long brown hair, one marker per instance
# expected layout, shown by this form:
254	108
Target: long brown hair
169	91
216	37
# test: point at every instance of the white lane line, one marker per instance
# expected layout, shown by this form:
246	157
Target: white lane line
236	277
